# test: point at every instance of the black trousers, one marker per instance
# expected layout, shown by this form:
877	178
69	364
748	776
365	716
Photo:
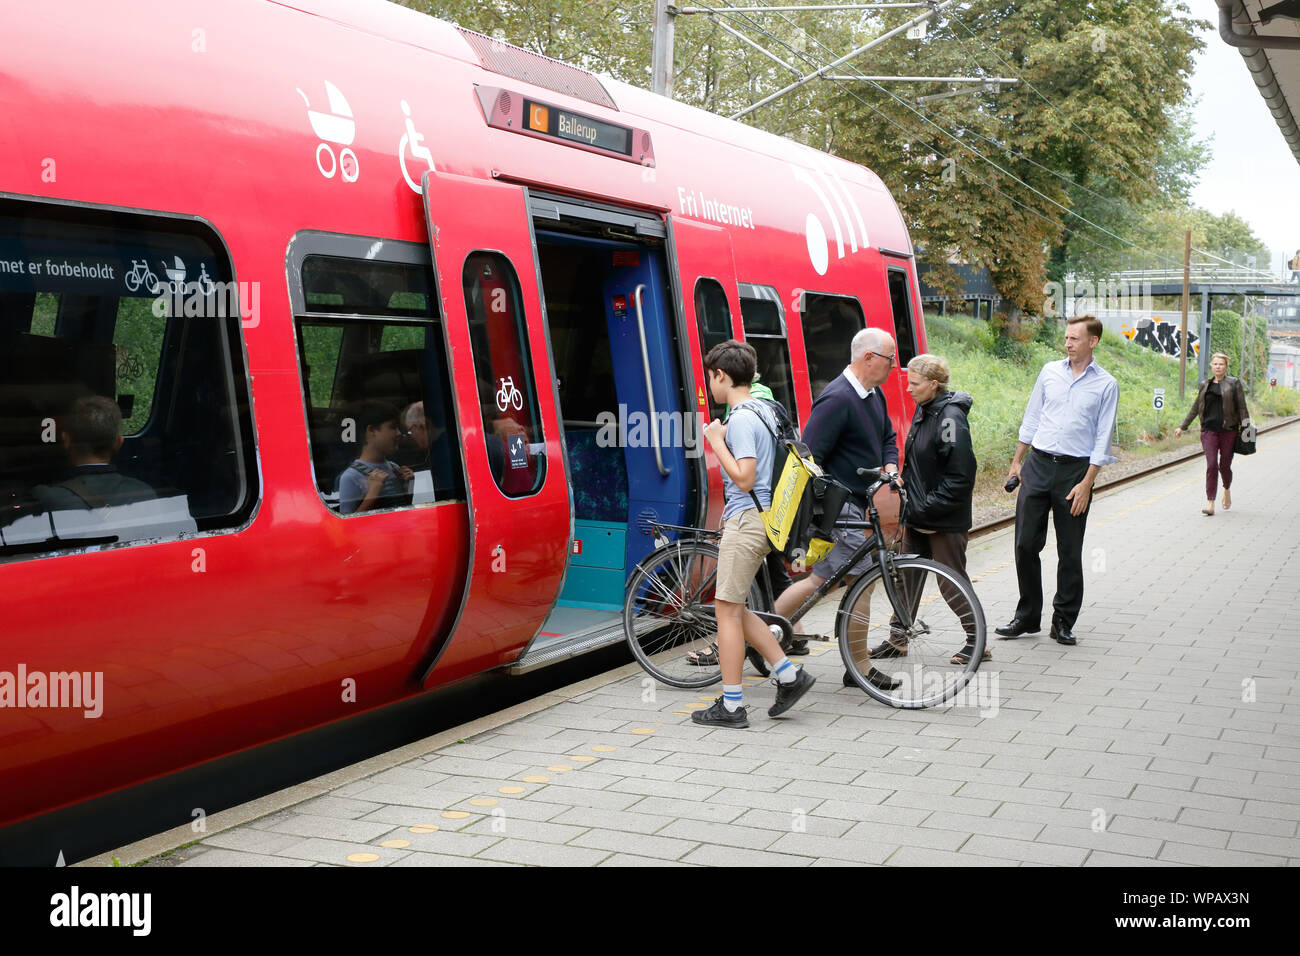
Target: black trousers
948	548
1043	487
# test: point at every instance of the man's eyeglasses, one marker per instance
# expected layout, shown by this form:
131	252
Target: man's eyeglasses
888	358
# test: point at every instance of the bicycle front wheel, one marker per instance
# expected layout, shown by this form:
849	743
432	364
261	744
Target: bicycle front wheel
922	664
668	614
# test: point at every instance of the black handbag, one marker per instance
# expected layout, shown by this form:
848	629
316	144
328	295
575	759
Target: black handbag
1246	438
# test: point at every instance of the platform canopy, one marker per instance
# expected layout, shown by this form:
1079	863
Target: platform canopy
1276	68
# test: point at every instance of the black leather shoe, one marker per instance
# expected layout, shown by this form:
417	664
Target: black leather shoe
876	679
1062	634
1015	628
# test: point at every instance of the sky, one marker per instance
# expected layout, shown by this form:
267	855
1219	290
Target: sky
1252	170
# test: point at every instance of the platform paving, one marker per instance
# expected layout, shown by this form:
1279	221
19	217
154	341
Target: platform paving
1170	735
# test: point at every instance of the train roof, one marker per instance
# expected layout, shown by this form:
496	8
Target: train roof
400	24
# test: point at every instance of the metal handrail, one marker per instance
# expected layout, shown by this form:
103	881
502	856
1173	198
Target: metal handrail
649	384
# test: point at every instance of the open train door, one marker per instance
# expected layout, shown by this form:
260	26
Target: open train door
520	511
706	273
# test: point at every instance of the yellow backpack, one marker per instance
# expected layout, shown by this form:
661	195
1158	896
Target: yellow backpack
797	484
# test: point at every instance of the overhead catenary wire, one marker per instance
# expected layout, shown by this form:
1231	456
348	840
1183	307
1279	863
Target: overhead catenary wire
914	135
955	137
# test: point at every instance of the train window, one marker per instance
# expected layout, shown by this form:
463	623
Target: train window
375	384
904	329
502	363
712	313
761	312
713	316
124	411
829	324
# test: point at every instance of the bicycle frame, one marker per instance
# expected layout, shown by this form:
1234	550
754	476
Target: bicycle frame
875	543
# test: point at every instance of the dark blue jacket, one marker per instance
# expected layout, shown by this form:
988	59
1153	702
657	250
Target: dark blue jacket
845	433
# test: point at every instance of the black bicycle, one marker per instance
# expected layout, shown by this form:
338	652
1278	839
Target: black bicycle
910	630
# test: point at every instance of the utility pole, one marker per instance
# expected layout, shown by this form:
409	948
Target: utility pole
661	55
1187	278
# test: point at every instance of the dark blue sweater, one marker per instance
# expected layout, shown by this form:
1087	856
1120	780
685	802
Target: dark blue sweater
846	433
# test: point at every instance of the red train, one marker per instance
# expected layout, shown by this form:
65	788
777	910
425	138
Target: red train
252	225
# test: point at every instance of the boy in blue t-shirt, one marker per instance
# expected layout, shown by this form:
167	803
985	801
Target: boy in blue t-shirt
746	448
373	480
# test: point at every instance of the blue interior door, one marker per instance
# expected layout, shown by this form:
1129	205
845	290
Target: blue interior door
649	392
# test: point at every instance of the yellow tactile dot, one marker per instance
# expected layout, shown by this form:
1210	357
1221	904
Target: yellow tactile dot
511	790
485	801
643	730
687	712
559	768
362	857
707	700
396	844
582	759
603	748
423	828
455	814
535	778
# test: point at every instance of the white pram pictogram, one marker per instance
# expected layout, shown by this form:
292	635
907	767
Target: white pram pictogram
337	127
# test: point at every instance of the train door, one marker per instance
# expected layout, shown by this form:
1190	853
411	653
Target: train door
707	273
516	485
629	428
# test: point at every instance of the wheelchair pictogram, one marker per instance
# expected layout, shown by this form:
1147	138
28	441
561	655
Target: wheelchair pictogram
413	141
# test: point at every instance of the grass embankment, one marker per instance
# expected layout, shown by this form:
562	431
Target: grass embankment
1001	375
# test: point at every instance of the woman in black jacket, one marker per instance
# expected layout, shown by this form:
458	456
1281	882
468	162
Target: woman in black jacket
1221	403
939	477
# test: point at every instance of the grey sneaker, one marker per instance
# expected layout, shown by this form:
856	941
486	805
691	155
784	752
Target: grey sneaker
717	715
788	694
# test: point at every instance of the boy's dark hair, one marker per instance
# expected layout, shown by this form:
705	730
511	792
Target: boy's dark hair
94	422
372	414
737	359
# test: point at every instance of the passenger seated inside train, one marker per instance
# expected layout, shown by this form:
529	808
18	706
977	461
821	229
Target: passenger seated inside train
91	435
373	480
419	438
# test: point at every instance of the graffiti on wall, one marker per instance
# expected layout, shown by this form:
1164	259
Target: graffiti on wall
1161	336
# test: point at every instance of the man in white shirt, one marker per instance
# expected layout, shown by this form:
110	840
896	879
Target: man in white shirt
1066	432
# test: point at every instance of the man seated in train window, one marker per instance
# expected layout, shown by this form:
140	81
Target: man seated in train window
91	435
374	480
419	437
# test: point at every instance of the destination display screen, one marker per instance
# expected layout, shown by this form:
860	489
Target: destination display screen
577	128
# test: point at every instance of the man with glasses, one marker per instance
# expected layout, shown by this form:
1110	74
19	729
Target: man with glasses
848	429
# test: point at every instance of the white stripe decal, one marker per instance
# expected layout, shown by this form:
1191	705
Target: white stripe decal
844	210
857	213
801	174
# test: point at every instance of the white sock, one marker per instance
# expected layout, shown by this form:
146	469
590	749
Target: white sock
786	672
732	698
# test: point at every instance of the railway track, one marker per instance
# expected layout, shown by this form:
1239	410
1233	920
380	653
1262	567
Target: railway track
997	524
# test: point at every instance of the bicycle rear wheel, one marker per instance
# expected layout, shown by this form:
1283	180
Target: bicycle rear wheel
668	613
946	618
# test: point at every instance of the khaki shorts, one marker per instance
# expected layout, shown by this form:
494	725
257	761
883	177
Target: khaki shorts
743	548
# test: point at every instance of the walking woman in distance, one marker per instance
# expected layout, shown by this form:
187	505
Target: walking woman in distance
1221	404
